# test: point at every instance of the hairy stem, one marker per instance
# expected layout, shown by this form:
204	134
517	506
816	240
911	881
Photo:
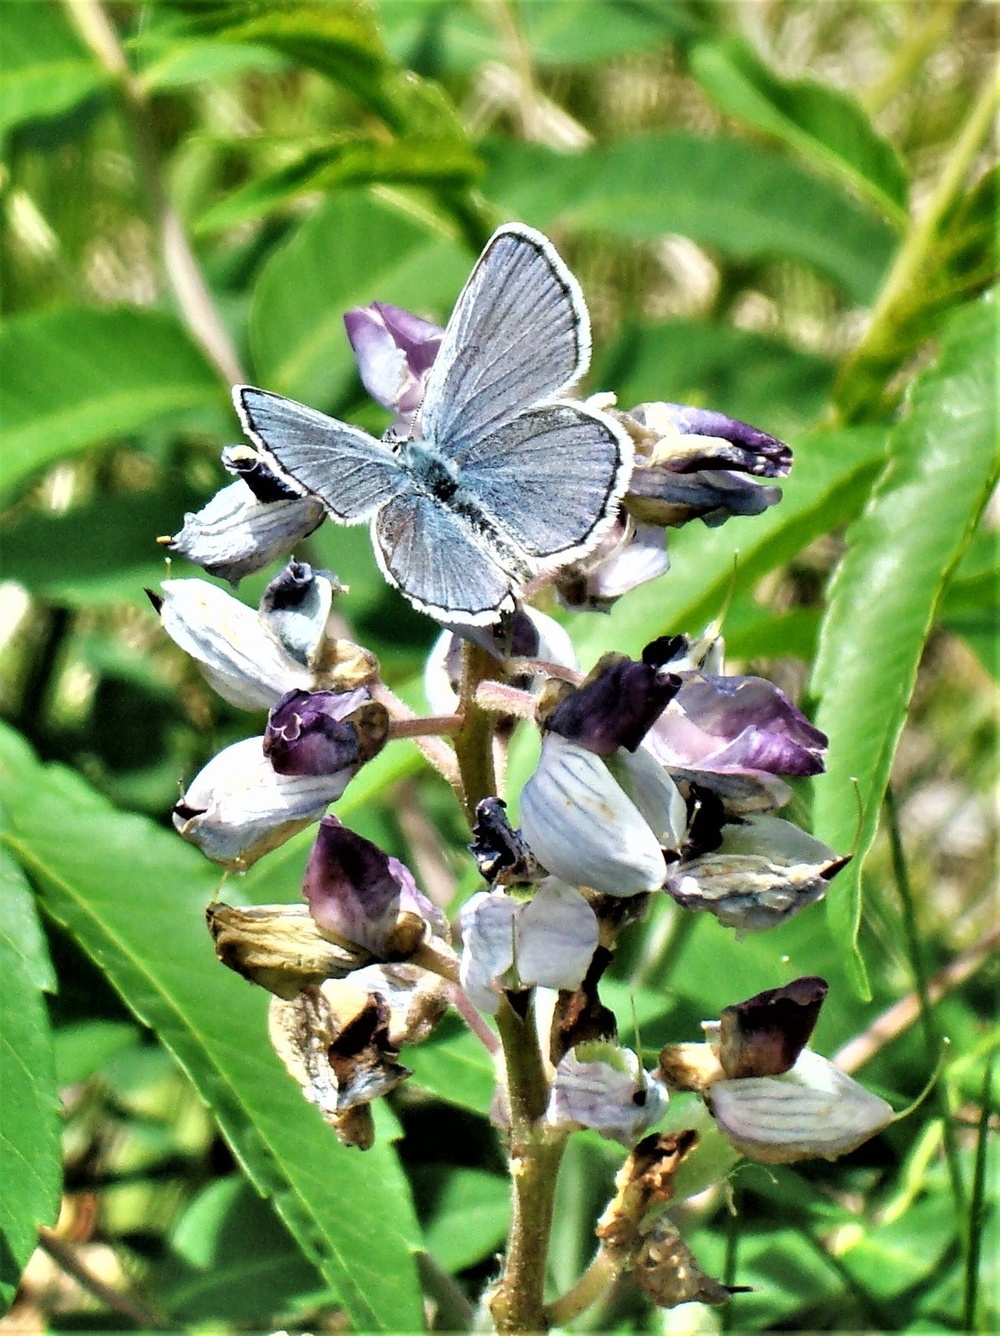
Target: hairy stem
517	1303
474	742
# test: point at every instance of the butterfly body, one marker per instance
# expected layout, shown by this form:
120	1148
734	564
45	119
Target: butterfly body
502	478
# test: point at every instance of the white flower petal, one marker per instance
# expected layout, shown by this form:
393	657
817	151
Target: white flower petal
235	534
487	946
224	637
654	793
242	809
583	828
556	937
813	1110
616	1098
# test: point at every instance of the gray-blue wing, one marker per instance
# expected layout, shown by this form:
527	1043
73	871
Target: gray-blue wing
551	478
348	470
440	562
519	333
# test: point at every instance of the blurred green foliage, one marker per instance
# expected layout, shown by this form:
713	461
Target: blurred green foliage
783	211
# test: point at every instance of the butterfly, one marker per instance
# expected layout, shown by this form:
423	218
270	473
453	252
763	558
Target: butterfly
501	478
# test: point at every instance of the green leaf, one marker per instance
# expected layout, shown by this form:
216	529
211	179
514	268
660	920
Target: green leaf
101	552
351	251
30	1159
748	376
943	463
75	376
45	70
471	1216
827	127
348	160
231	1258
83	1048
133	896
343	42
454	1066
746	201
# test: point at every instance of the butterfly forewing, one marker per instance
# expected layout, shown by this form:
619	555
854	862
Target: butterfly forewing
550	478
519	334
350	472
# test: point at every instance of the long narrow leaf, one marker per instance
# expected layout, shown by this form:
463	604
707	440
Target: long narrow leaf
133	896
943	464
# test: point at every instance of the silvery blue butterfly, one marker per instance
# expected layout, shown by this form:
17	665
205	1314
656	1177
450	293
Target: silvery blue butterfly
501	479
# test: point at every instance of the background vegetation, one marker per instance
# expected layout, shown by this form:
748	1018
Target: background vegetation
782	210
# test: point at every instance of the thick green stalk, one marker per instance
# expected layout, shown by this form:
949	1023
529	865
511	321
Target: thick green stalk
517	1303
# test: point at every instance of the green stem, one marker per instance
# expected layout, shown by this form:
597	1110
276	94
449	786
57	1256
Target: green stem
977	1208
897	294
595	1282
194	299
922	39
517	1304
474	741
932	1039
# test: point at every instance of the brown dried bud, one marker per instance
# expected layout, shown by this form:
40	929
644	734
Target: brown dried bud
279	947
764	1035
644	1184
667	1273
690	1067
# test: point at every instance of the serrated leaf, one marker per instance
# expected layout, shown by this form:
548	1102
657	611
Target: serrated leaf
942	466
75	376
45	70
826	126
30	1159
351	251
133	896
748	202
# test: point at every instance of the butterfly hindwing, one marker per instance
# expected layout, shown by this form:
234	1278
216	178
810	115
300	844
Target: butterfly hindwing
348	470
438	560
519	333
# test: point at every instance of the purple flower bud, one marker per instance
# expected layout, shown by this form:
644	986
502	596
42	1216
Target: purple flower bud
322	732
615	707
733	735
395	351
764	1035
361	895
697	464
712	441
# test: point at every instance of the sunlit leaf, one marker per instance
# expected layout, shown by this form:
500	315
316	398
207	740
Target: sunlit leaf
748	202
348	160
45	70
943	464
133	896
751	377
74	377
351	251
30	1166
825	126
